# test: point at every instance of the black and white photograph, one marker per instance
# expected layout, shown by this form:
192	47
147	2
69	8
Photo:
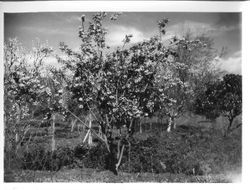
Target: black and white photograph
122	96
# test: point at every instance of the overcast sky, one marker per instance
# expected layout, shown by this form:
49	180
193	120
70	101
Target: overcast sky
224	28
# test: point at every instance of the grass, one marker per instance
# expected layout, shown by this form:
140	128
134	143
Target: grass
92	176
228	161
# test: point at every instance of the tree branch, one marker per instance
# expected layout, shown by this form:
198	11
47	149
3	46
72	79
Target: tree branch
120	158
236	127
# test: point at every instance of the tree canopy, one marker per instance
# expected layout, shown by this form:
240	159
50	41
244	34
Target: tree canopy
223	97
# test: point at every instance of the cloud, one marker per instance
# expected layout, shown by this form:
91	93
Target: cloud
197	28
232	64
189	26
76	19
70	17
229	19
50	31
47	62
73	19
117	33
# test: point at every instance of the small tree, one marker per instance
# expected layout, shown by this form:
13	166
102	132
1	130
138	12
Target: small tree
182	76
117	87
21	85
222	98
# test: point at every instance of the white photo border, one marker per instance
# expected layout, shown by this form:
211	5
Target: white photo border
137	6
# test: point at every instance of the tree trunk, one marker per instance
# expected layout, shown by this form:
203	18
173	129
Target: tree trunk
73	123
227	131
53	143
90	140
120	158
174	123
112	158
100	130
129	157
118	149
86	136
140	126
17	137
115	155
169	124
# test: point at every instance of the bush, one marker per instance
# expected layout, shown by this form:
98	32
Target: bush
96	157
40	159
142	156
185	150
80	151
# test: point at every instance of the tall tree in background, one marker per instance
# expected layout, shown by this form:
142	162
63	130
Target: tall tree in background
185	74
22	85
224	98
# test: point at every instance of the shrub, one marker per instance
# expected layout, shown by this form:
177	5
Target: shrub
41	159
142	156
186	150
181	151
80	151
95	157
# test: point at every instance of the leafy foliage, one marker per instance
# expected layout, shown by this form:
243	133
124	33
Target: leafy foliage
118	86
23	88
183	75
222	98
187	150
